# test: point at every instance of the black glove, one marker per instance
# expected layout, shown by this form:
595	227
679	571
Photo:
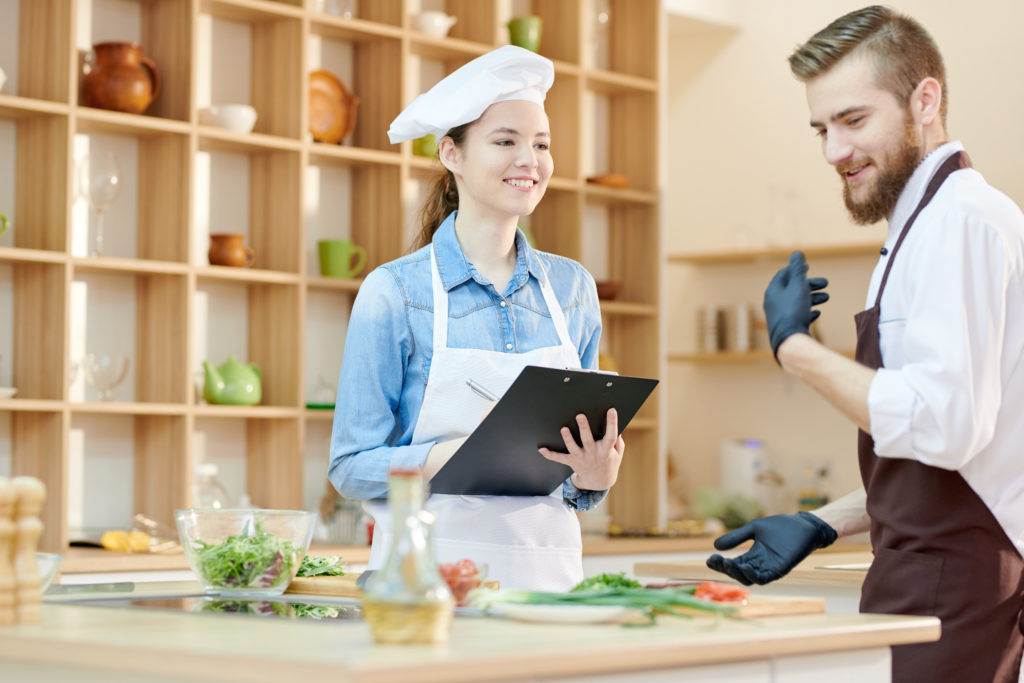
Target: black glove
788	301
780	543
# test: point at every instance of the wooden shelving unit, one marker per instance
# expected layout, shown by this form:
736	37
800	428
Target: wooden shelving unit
165	273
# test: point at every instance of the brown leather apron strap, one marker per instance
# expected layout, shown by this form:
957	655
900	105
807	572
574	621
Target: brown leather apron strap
955	162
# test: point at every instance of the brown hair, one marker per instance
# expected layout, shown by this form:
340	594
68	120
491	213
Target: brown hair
443	197
904	53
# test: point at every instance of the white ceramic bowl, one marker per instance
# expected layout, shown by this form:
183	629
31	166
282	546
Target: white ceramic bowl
239	118
48	565
269	543
434	24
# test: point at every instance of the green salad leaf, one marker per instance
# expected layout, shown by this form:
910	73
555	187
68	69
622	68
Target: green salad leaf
606	581
254	558
320	565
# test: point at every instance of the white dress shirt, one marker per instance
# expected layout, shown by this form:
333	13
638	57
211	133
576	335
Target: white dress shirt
951	329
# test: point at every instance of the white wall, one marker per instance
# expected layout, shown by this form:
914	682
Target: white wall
745	171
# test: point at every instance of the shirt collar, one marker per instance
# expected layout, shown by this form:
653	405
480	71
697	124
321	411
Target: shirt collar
454	268
914	190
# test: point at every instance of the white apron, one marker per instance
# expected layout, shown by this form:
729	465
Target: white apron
530	542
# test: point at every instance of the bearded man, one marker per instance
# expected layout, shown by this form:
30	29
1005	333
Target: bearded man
937	387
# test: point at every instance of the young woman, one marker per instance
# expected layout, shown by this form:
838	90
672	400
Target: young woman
473	302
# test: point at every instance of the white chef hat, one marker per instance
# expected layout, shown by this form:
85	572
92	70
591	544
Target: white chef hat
507	73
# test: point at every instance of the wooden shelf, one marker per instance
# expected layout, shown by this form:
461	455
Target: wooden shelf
732	357
710	258
159	292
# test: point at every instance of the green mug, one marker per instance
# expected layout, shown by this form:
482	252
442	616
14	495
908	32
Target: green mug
3	224
525	32
341	258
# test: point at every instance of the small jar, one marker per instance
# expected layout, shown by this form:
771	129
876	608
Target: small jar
407	600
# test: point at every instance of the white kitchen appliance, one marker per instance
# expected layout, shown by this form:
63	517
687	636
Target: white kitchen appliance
747	467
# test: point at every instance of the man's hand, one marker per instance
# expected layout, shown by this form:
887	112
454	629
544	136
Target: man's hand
780	543
788	300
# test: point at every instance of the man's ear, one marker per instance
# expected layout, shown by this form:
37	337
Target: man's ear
926	101
448	154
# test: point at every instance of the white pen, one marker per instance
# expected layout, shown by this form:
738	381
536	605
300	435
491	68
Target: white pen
480	391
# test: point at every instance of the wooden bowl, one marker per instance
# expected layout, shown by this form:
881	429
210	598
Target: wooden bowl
332	108
608	289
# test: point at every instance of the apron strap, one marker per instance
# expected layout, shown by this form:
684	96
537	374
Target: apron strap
440	304
955	162
555	309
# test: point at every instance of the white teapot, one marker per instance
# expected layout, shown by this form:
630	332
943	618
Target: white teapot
434	24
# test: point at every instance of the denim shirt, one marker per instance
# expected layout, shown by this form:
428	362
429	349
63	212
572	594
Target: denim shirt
389	347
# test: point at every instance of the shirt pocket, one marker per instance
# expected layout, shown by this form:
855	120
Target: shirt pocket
890	341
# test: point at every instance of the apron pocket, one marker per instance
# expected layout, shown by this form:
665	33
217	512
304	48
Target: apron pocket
901	582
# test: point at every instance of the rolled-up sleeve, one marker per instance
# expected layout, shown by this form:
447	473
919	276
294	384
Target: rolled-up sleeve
937	401
377	348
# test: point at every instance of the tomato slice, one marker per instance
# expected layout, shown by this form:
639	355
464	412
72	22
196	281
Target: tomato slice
720	592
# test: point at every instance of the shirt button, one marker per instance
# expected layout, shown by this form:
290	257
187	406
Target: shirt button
502	304
508	346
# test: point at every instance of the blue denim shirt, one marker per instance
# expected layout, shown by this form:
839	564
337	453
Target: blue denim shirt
389	347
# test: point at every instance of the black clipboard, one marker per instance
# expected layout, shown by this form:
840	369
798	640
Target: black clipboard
500	457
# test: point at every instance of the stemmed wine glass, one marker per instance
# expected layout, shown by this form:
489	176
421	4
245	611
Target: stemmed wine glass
99	177
105	373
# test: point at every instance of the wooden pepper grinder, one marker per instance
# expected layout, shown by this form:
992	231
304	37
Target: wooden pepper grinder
8	584
29	496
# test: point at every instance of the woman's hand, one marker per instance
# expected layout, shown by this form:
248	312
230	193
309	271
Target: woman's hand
595	464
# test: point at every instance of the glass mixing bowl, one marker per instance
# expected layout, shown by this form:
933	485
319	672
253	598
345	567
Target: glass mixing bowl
245	552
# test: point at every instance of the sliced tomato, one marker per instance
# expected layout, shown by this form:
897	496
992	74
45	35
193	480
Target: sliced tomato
720	592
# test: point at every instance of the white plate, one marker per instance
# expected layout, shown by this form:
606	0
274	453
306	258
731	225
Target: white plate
564	614
7	392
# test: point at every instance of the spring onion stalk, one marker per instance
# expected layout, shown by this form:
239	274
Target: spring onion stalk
651	601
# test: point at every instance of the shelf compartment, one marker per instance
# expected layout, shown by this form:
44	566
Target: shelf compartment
632	235
38	330
376	76
136	315
256	455
219	140
90	120
165	34
357	199
103	264
626	338
39	449
149	218
34	146
270	77
565	14
256	194
257	323
327	315
354	29
42	35
476	22
633	40
161	483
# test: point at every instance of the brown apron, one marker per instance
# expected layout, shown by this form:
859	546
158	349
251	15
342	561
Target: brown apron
938	549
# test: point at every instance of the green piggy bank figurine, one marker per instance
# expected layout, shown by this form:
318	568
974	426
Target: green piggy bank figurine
233	383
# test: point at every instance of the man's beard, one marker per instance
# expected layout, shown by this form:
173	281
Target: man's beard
900	165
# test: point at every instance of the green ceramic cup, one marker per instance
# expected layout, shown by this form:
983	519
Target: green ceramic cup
525	32
340	258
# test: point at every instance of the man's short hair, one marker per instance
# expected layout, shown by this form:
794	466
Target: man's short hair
903	51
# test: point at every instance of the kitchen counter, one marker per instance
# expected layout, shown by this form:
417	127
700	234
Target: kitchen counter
129	644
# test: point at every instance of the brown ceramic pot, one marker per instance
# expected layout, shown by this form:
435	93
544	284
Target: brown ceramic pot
228	249
120	78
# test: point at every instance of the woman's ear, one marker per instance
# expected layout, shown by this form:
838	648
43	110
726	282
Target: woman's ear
926	100
448	154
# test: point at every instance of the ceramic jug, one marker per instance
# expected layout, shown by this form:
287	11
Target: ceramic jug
120	78
228	249
233	383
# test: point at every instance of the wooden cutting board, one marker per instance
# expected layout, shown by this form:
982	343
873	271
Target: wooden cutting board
337	586
758	606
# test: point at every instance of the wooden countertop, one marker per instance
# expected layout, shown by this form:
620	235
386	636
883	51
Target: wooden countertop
218	647
839	569
91	560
